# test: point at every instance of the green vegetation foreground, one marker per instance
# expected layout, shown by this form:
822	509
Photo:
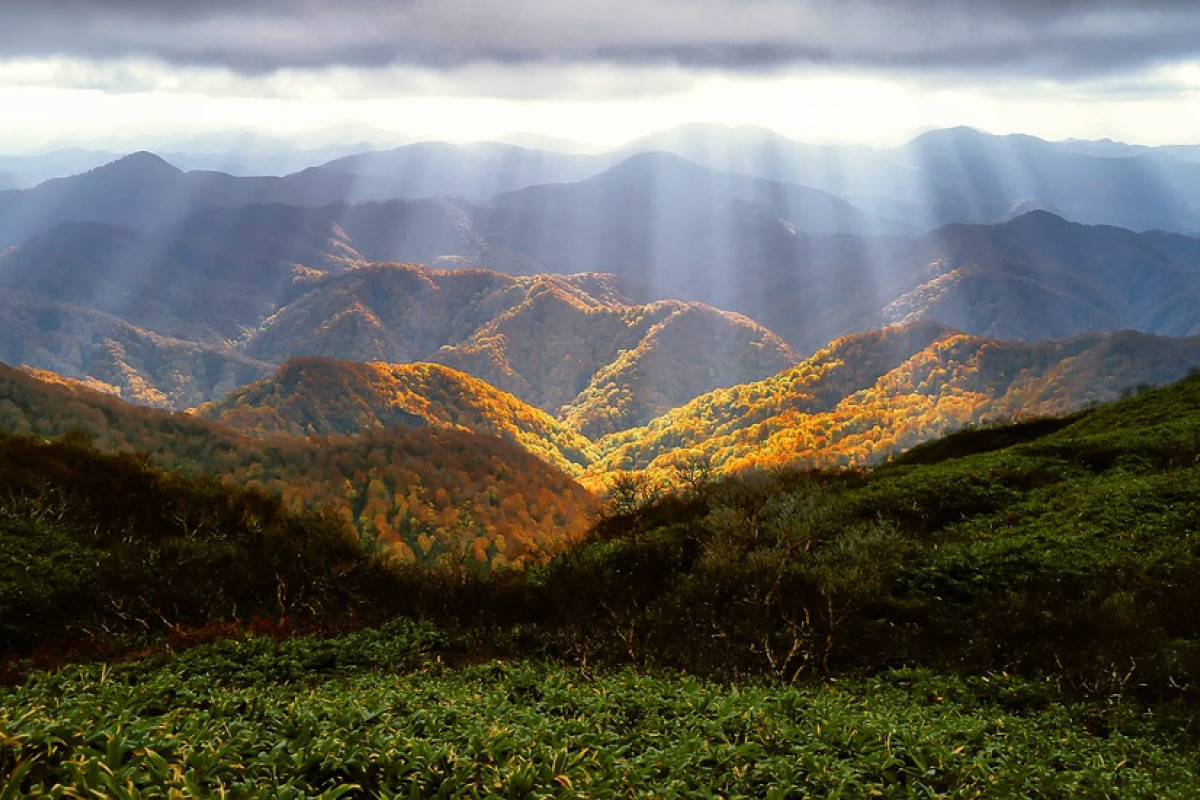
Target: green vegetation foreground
379	714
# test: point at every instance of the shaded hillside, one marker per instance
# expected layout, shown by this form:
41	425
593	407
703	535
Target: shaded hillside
1040	277
417	493
218	274
1035	277
868	396
672	227
118	357
104	545
313	396
813	289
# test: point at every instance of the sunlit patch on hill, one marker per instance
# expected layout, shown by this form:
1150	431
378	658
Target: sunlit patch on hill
867	397
314	396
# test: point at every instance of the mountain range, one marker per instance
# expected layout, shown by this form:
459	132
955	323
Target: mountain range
869	396
857	402
180	315
714	293
966	175
753	223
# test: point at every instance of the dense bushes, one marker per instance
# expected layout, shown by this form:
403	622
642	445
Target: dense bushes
1069	549
94	543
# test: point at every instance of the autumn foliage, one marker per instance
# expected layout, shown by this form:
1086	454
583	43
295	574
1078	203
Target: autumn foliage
411	493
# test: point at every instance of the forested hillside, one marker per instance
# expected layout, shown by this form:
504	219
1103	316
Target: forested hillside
413	493
315	396
1056	547
551	341
104	546
867	397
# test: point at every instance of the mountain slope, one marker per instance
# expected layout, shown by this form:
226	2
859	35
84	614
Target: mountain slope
1040	277
216	274
117	356
657	375
413	493
314	396
868	396
1034	277
962	175
672	227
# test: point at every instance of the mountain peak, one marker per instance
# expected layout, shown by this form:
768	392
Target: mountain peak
657	159
1039	217
959	133
142	163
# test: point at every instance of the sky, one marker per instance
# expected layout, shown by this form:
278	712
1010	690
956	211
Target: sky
129	73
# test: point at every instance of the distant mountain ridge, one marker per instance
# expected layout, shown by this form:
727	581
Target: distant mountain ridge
963	175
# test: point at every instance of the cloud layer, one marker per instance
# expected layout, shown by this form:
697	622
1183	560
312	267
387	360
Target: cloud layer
1059	39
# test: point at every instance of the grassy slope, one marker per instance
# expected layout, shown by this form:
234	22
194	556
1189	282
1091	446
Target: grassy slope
1064	550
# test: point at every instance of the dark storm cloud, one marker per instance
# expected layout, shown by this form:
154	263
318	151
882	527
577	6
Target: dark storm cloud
1057	39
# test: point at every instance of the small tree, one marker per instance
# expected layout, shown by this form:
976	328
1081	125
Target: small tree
694	471
628	495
